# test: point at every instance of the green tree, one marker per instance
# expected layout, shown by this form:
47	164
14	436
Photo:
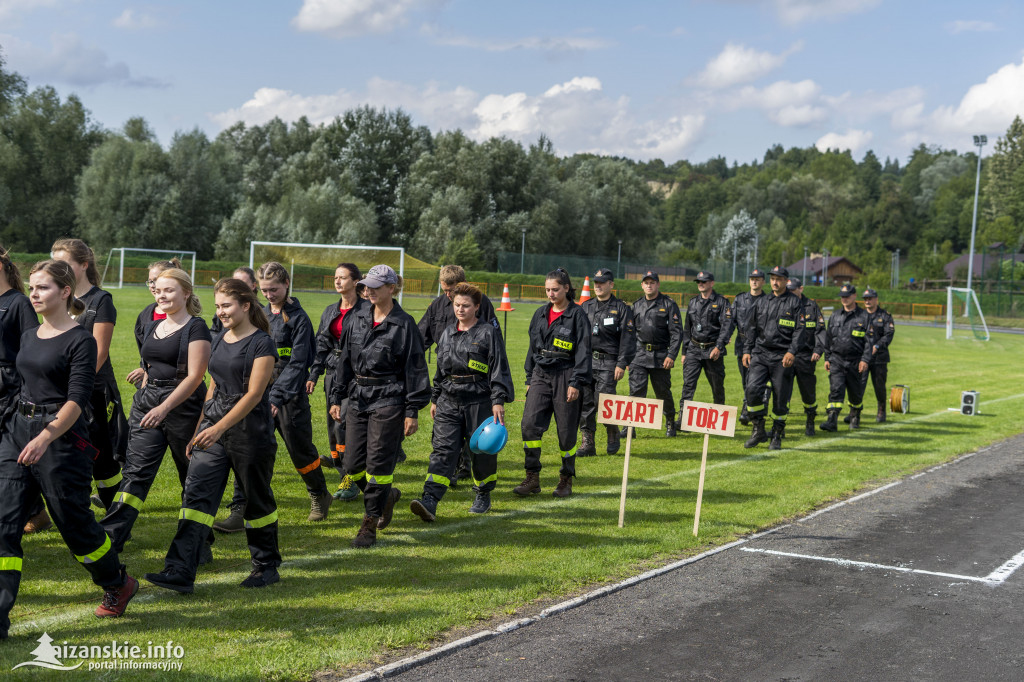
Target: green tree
1004	192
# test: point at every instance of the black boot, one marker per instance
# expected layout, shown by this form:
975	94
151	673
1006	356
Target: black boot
854	418
880	417
744	416
425	507
758	436
848	417
670	428
778	432
809	427
586	448
613	440
831	421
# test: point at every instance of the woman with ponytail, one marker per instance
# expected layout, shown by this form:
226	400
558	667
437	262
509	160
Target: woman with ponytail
235	433
109	430
165	410
46	450
558	366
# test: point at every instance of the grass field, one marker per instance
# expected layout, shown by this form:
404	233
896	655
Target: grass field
341	609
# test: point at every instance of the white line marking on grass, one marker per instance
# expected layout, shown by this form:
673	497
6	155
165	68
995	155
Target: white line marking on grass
866	564
1000	575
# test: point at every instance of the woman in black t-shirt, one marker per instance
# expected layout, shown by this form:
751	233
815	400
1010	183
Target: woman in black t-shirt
45	447
109	430
151	313
165	411
235	433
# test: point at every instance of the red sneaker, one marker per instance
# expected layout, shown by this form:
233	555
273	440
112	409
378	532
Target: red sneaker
115	600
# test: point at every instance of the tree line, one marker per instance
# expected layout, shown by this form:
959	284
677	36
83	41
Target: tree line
372	176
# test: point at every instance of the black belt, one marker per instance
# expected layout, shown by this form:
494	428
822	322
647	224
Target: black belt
376	381
545	353
598	355
702	346
163	383
30	410
336	352
466	378
653	347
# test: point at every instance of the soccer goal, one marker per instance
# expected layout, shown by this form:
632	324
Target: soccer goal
963	303
131	266
312	265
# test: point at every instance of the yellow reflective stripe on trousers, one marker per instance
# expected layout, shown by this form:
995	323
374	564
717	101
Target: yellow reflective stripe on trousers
531	443
569	453
492	477
195	515
264	521
357	477
810	407
97	555
130	500
111	482
380	480
10	563
754	408
857	406
438	478
834	406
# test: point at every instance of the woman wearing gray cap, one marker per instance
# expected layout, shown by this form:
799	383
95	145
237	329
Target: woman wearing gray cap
383	365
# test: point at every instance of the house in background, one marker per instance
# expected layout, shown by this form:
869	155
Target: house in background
837	269
986	262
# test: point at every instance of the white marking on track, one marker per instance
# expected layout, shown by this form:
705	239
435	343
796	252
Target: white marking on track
1000	575
867	564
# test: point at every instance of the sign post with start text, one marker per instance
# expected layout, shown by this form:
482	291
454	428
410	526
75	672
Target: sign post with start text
711	420
624	410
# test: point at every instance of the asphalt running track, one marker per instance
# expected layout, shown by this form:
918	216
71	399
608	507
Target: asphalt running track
917	579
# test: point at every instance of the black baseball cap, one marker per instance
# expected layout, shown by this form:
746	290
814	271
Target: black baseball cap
869	293
757	272
604	275
779	271
651	274
794	283
847	290
705	276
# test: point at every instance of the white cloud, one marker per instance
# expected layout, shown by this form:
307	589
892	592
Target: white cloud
550	44
974	26
854	140
577	115
350	18
70	61
784	102
794	12
738	64
133	20
988	106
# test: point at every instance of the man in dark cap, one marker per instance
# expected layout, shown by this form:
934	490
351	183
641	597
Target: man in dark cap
740	313
883	329
774	335
659	334
847	352
807	357
706	332
613	344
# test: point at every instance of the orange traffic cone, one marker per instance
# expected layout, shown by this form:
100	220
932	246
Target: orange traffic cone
506	301
585	296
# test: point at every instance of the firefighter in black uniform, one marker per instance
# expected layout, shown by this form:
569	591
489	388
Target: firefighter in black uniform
613	345
558	367
847	353
109	428
472	383
706	333
384	369
659	336
740	312
45	447
151	313
247	275
883	329
235	433
774	335
328	350
808	355
175	353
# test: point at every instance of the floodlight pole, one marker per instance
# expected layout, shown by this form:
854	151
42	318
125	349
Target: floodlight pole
979	142
618	263
804	277
522	258
824	273
734	260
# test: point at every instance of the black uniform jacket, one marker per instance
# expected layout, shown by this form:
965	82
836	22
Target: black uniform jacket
472	366
328	349
849	336
883	328
707	322
295	349
440	315
814	322
562	345
382	365
659	330
776	325
741	312
612	331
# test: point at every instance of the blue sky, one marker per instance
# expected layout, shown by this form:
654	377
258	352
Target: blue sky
686	79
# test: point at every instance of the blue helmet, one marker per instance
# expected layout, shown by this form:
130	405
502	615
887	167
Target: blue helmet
489	438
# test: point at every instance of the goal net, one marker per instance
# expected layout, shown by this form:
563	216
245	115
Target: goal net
312	265
131	266
963	313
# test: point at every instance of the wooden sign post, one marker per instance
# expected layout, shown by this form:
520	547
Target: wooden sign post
709	419
624	410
